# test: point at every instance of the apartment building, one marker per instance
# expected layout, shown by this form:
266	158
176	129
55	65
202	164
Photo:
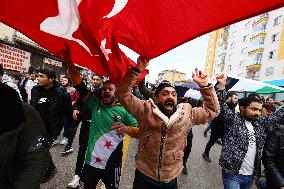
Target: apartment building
171	76
253	48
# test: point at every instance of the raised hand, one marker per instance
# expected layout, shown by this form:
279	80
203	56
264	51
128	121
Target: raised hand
200	78
142	63
221	79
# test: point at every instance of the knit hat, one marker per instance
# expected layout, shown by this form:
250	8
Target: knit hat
162	85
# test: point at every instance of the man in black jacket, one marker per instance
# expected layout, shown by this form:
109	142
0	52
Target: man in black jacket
273	158
217	130
52	102
24	157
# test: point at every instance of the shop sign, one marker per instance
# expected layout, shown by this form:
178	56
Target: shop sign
14	59
52	62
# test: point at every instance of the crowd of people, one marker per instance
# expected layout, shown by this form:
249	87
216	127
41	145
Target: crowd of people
40	105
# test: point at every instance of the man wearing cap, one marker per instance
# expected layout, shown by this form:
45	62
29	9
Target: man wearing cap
163	127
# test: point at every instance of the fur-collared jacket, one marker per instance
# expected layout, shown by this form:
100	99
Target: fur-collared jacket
162	139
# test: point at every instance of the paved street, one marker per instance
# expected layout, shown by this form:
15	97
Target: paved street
202	175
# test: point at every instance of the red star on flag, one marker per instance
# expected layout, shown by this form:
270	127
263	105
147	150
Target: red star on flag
98	160
108	144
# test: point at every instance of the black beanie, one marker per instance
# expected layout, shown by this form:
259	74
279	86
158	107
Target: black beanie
162	85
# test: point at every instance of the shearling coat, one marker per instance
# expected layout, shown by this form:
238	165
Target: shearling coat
162	139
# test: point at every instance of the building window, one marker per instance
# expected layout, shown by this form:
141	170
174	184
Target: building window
245	38
232	45
230	57
256	59
244	50
275	37
271	54
247	24
260	26
269	71
222	59
258	41
230	67
255	75
242	63
277	20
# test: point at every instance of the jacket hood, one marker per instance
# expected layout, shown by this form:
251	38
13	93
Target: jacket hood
11	113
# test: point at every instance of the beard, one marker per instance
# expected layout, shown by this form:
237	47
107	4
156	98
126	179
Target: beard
162	108
251	117
107	99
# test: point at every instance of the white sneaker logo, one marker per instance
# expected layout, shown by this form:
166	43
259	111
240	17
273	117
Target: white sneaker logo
42	100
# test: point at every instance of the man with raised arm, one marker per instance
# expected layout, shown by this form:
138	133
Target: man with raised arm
243	138
163	126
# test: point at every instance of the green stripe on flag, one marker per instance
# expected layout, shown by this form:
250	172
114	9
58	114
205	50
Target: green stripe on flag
267	90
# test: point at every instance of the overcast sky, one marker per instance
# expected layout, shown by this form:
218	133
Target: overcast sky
184	58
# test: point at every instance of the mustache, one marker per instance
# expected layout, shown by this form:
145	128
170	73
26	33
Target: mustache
169	102
106	95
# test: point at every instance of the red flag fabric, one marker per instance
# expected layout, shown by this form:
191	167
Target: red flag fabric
93	28
55	24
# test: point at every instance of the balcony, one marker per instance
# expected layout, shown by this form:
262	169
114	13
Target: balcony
255	78
221	66
225	34
256	49
252	75
222	53
261	18
260	33
254	66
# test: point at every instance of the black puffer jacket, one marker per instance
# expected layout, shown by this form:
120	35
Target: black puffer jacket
273	158
52	104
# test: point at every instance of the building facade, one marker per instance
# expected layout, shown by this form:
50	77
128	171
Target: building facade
216	51
253	48
18	53
171	76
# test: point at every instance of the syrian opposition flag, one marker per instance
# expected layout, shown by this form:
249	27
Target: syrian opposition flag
102	148
238	84
93	28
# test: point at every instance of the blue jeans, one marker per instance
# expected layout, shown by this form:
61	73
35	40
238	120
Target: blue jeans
208	128
237	181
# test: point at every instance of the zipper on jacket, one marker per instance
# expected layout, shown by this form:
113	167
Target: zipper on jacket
161	150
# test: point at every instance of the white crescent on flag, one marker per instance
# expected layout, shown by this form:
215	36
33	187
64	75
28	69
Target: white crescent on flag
117	7
65	23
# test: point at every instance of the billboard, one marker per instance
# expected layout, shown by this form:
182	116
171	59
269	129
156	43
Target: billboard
14	59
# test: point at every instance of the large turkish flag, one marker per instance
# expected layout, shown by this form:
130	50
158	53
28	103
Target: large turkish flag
93	28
